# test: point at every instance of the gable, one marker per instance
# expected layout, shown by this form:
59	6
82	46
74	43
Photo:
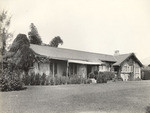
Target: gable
129	58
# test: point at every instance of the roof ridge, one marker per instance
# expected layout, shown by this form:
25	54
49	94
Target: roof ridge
72	50
124	54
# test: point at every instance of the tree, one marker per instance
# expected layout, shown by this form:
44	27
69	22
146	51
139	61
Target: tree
18	59
34	36
22	56
56	41
5	21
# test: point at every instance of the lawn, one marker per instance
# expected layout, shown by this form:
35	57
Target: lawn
118	97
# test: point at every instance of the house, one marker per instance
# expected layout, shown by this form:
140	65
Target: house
127	66
66	62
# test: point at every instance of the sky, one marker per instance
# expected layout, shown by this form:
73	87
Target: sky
100	26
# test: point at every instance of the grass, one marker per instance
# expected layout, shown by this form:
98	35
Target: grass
119	97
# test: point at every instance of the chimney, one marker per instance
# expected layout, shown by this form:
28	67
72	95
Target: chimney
116	53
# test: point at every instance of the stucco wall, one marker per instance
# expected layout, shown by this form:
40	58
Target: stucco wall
82	70
45	68
104	67
42	68
130	70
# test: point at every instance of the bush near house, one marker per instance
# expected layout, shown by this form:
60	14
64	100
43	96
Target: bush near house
109	75
117	78
37	79
145	74
148	109
10	81
101	78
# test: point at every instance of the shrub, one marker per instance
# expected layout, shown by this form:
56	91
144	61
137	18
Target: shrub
64	73
48	80
96	74
109	75
145	74
117	78
32	79
101	78
51	81
43	79
57	80
10	81
91	75
37	79
26	79
148	109
137	79
88	81
64	80
75	80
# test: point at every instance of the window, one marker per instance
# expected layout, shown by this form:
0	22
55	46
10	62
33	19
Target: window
73	68
125	68
55	68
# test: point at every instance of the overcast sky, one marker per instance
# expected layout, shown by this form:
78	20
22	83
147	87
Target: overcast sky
101	26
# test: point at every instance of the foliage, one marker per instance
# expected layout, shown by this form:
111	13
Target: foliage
109	75
5	21
32	79
88	81
22	56
137	79
148	109
10	81
91	75
26	79
34	36
37	79
75	79
56	41
101	78
145	74
19	42
43	79
117	78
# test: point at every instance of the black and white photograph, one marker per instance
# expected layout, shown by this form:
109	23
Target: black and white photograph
74	56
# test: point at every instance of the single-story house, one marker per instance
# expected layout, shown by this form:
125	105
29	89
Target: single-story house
66	62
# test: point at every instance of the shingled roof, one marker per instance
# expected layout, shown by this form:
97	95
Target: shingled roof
121	58
68	54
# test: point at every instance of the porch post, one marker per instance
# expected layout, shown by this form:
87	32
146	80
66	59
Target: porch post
67	70
53	74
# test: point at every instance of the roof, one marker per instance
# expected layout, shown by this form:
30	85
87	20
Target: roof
68	54
121	58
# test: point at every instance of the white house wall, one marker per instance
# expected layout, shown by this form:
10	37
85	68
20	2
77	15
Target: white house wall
82	70
42	68
127	69
45	68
